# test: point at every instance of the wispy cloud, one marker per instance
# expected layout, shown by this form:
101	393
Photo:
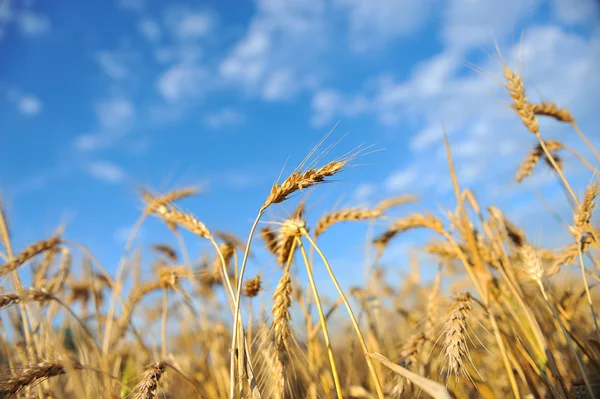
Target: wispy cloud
112	65
189	24
181	81
149	29
106	171
27	104
32	24
402	179
376	22
30	105
115	113
224	117
132	5
266	61
115	117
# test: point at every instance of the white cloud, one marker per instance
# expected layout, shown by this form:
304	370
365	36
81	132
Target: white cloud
112	64
278	85
277	57
149	29
106	171
364	191
224	117
132	5
116	113
32	24
193	25
327	104
401	180
89	142
471	23
375	22
576	12
115	118
30	105
27	104
182	80
473	108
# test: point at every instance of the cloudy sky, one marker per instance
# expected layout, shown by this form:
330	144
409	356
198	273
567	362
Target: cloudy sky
100	98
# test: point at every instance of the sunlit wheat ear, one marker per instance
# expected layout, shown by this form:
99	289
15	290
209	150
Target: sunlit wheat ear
230	239
269	236
411	222
148	386
153	202
531	263
455	349
409	354
299	211
551	110
521	104
568	255
170	276
167	251
29	252
582	217
393	202
185	220
299	181
31	295
345	215
30	374
56	283
281	328
227	251
282	331
534	157
432	313
514	233
40	272
252	287
442	249
280	242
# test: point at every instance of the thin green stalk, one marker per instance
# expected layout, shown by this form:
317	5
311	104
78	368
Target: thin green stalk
238	295
363	344
577	359
336	378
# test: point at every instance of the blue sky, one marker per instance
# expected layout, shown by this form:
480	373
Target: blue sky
100	98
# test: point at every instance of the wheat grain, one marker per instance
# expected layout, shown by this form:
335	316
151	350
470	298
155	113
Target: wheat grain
148	386
252	287
550	109
345	215
455	349
521	104
29	252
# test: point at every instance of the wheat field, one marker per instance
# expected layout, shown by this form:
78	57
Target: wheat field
503	317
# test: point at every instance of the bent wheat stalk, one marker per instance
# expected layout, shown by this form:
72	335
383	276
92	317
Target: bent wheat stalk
322	318
355	325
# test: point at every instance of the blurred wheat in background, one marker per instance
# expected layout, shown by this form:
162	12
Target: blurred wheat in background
499	314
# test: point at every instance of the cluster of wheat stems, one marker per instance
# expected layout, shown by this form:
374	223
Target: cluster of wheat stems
502	318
